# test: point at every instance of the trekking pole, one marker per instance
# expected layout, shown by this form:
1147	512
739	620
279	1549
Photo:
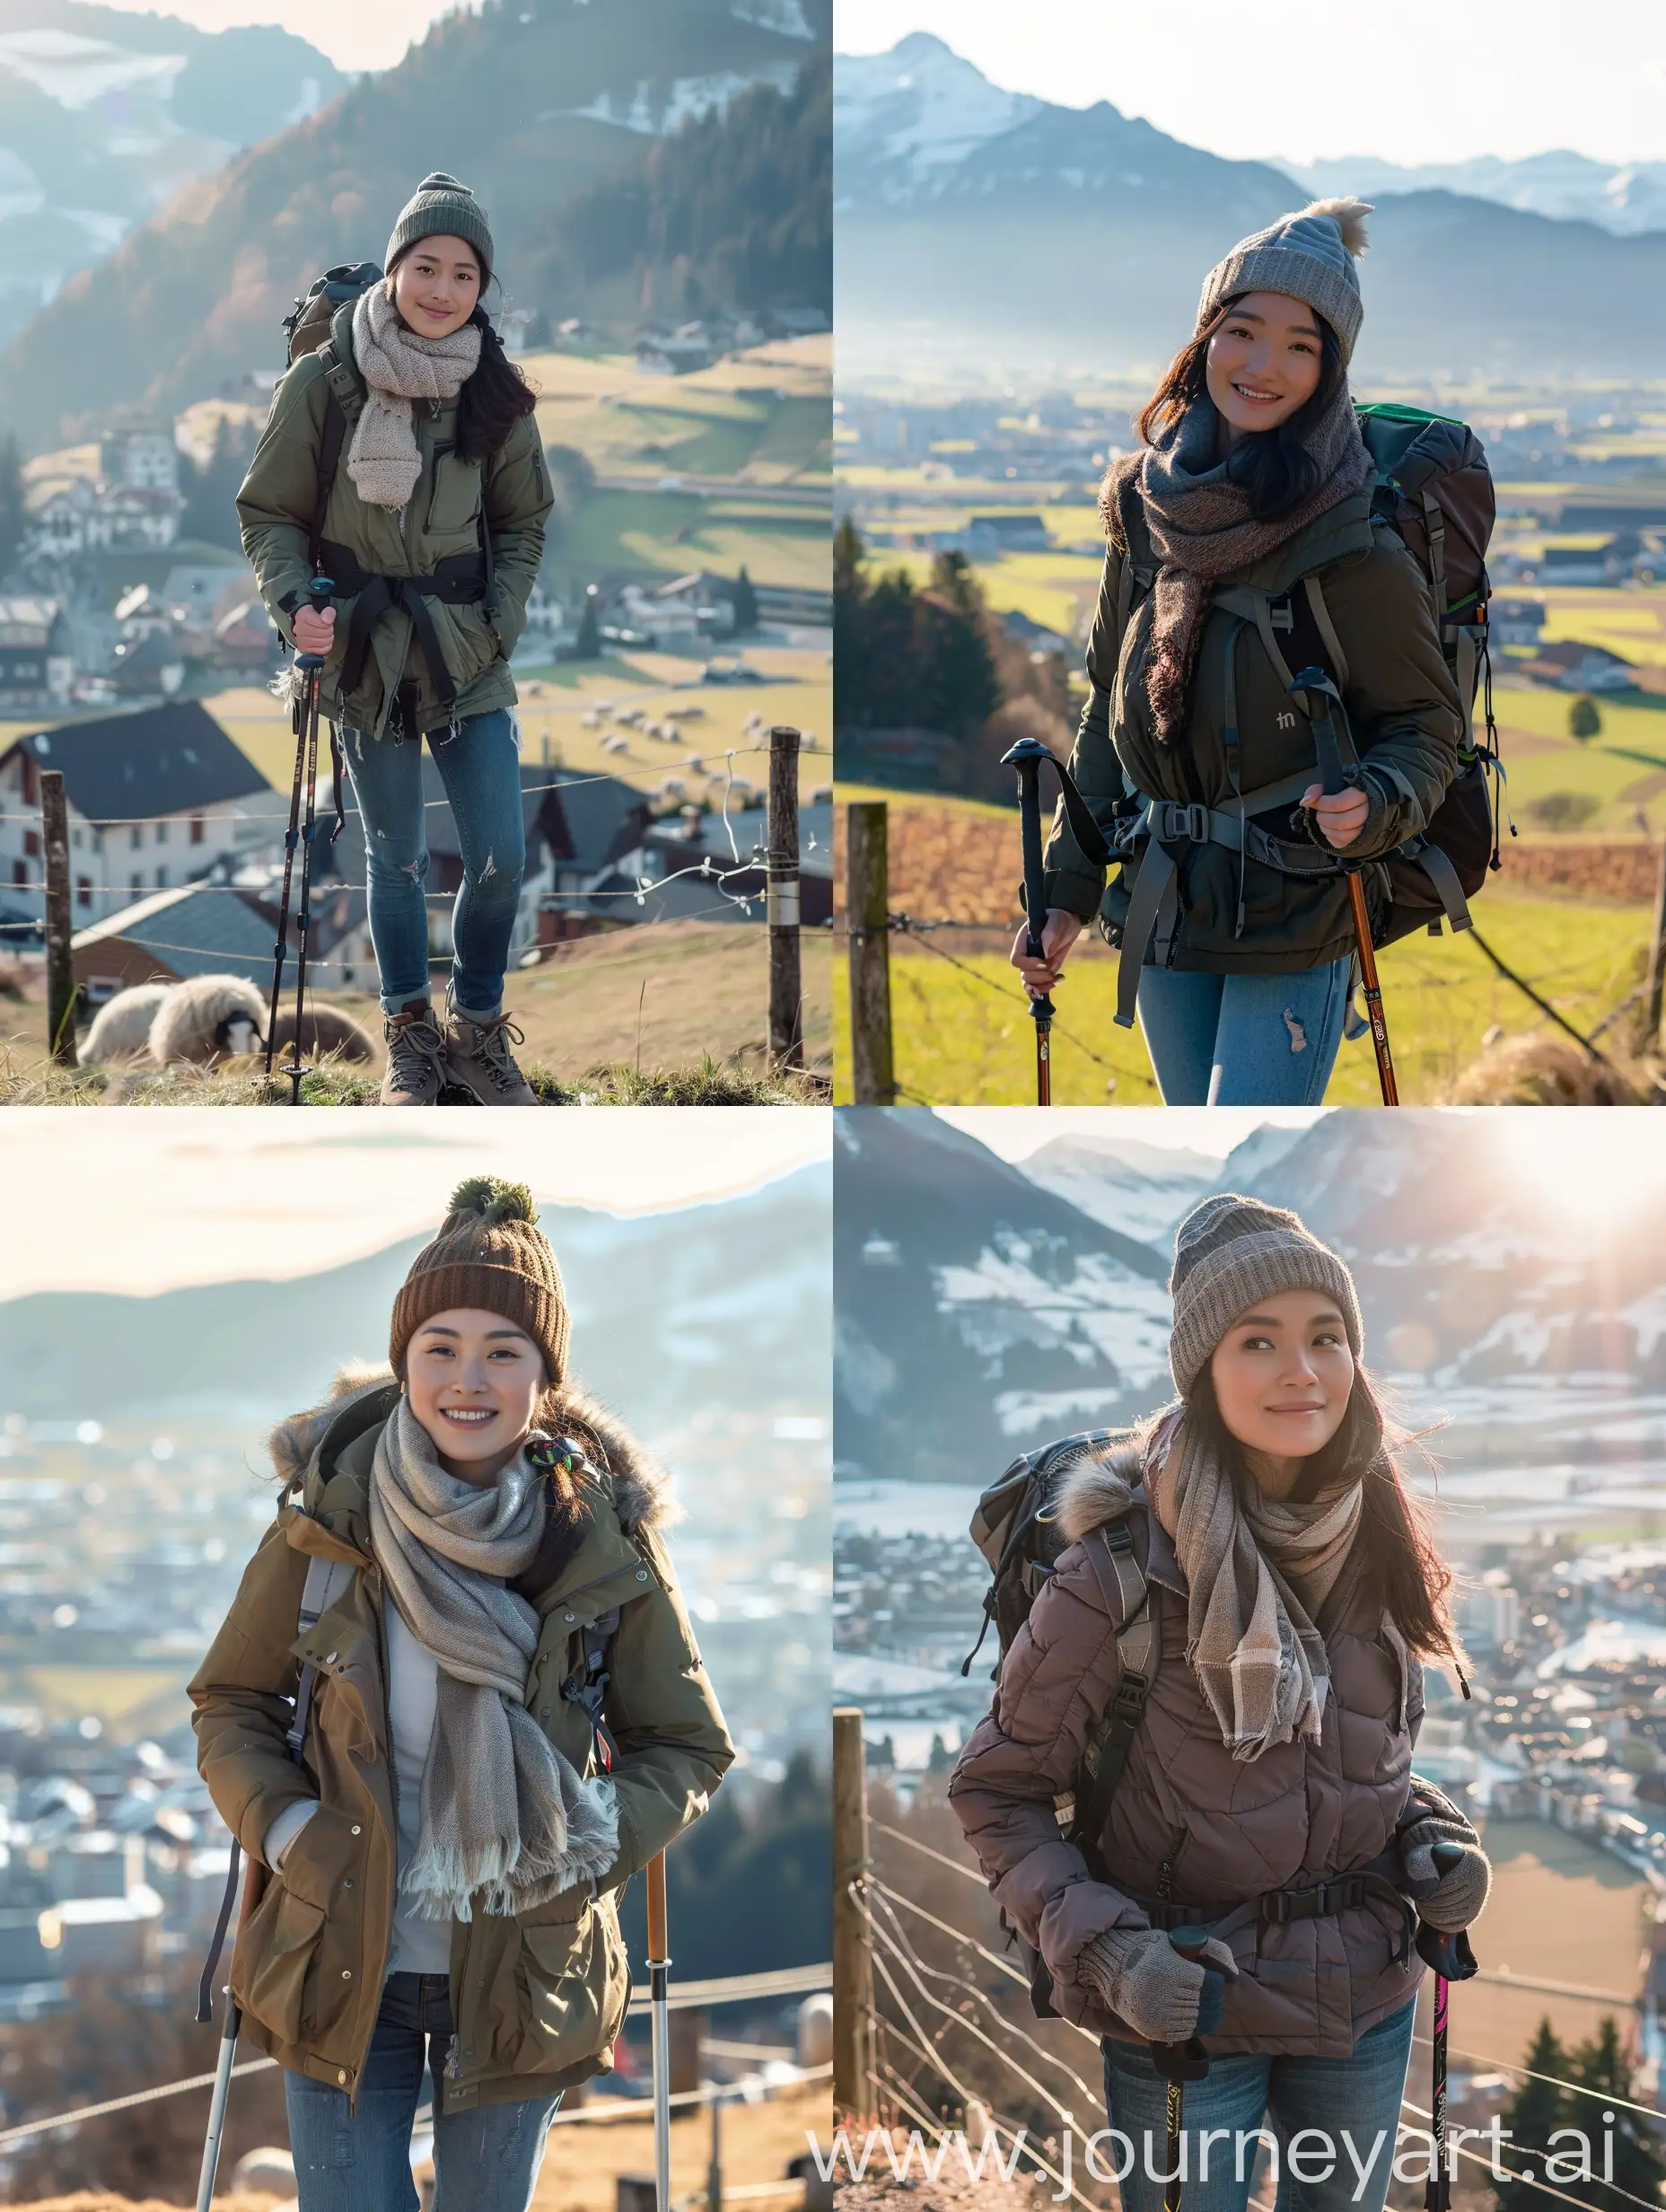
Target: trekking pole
659	1966
1315	682
318	592
228	2034
1027	756
1453	1961
1179	2063
303	716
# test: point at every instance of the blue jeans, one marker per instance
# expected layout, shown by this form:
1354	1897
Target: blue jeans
1354	2103
480	768
484	2160
1243	1041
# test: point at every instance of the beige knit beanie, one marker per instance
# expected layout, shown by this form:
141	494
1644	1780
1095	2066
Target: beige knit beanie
1228	1252
490	1253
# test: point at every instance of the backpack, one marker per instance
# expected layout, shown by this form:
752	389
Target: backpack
1016	1530
307	327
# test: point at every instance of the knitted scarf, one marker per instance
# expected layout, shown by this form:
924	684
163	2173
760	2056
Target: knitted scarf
1202	530
1257	1575
398	367
504	1813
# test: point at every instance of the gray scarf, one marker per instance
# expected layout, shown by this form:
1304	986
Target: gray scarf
1201	529
1257	1575
398	367
504	1813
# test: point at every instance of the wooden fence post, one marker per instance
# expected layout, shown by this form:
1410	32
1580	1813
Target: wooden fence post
60	957
867	914
786	996
854	2092
1649	1026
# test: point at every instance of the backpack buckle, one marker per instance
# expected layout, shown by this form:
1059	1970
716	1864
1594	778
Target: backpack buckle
1175	823
1118	1537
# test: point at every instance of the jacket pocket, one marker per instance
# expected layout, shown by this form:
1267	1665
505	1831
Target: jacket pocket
276	1954
467	639
575	1986
455	500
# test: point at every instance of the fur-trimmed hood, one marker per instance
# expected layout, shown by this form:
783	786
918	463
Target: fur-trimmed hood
1098	1489
642	1487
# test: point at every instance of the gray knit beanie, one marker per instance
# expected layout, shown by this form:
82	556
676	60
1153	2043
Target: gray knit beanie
1228	1252
442	208
1309	256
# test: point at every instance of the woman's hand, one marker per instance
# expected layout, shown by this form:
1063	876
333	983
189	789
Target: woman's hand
1058	934
1139	1975
1339	814
314	632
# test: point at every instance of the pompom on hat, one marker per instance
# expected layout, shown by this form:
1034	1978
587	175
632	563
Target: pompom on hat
490	1254
1228	1252
1309	256
442	208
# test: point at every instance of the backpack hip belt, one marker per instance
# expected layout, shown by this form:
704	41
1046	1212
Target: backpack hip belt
459	580
1318	1900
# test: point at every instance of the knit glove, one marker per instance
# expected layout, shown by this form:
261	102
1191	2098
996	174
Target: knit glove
1137	1974
1454	1900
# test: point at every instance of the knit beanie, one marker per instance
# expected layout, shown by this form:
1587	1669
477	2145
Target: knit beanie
1309	256
491	1254
442	208
1228	1252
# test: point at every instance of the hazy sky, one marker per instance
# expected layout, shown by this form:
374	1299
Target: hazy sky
1419	82
357	34
142	1201
1014	1132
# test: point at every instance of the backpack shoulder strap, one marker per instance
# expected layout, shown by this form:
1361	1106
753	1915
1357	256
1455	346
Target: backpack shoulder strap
1138	1648
343	406
326	1581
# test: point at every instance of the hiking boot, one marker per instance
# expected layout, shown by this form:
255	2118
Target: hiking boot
479	1058
416	1057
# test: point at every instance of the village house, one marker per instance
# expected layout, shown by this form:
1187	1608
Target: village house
1571	665
37	662
156	799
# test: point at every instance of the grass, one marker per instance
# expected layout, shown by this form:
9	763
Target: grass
625	532
673	1014
965	1037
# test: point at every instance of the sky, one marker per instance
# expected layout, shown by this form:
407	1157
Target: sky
1416	83
136	1202
361	34
1014	1132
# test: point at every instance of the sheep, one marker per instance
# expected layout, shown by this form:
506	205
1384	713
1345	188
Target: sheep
206	1019
325	1031
121	1029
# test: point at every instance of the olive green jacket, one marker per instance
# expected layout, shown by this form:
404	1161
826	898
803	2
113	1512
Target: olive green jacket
1402	706
537	2000
275	509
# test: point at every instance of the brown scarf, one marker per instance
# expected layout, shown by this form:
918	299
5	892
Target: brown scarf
1201	528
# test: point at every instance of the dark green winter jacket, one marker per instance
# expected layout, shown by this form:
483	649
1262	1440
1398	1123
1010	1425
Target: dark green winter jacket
1402	706
279	499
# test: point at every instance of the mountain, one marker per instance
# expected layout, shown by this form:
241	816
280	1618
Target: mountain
105	115
660	1303
531	104
975	1317
989	233
1624	198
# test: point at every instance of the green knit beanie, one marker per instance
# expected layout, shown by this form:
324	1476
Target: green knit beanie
439	208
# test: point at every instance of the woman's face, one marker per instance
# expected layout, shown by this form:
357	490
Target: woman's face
1283	1375
436	286
1264	362
474	1380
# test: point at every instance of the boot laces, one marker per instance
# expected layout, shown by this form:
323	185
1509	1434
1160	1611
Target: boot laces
493	1041
415	1051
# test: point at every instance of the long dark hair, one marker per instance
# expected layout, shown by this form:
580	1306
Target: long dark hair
496	397
1404	1571
1275	467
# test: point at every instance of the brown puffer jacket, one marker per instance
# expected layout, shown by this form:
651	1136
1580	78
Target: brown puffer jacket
1230	1831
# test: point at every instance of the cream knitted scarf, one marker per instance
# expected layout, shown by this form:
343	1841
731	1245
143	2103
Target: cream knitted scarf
505	1815
1257	1575
398	367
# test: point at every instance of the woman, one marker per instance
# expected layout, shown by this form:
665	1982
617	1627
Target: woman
1253	477
437	1880
431	531
1294	1585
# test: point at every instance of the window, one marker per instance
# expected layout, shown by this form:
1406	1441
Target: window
20	871
161	878
84	890
198	829
162	833
136	837
136	884
31	843
31	781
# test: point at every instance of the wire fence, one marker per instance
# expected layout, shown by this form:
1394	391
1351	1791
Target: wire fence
942	2036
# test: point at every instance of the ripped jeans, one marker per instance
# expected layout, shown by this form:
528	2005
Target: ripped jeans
480	768
1243	1041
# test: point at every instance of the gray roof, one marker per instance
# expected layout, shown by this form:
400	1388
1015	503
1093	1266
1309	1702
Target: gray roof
199	930
166	760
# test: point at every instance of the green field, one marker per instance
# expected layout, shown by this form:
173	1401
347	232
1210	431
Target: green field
625	532
966	1038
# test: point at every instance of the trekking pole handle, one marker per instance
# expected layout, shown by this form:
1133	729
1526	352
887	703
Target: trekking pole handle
1027	756
658	1937
1189	2061
1317	685
319	593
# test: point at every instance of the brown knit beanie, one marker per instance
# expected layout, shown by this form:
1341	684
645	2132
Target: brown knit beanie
491	1254
1228	1252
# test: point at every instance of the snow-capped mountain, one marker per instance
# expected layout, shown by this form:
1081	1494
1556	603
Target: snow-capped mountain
1621	197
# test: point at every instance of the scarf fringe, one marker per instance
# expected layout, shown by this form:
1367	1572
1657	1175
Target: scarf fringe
508	1881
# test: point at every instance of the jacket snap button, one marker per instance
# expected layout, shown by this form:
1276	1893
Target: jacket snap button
543	1712
330	1658
342	2075
642	1574
347	1973
348	1884
356	1829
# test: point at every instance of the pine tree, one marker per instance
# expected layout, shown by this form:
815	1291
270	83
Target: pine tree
588	645
1583	721
1638	2167
14	516
1535	2111
745	604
